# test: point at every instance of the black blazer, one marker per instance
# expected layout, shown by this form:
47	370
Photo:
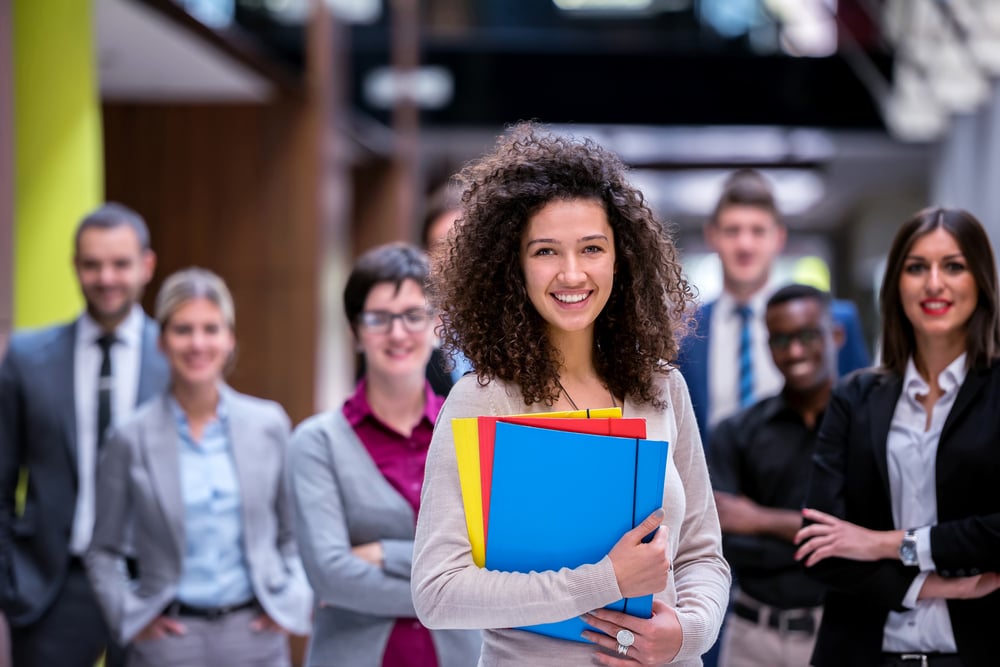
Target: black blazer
38	435
850	480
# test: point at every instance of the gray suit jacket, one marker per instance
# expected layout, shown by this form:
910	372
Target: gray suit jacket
342	500
38	435
140	511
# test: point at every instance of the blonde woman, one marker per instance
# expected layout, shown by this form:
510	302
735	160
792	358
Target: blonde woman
193	488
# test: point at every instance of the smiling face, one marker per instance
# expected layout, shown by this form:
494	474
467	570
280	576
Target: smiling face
197	342
747	240
937	291
113	270
804	342
568	260
403	349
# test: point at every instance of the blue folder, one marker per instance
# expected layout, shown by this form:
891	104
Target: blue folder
562	499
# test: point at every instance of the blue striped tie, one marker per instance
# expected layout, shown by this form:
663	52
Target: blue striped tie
746	356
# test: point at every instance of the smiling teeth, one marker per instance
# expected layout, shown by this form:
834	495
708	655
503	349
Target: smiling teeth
570	298
935	305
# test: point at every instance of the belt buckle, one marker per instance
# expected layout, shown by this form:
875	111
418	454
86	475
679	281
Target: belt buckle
215	613
922	657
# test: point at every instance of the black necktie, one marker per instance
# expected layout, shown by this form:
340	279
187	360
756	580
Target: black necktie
104	384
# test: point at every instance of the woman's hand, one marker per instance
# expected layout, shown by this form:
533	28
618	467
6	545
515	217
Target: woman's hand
832	537
160	627
657	639
959	588
370	552
641	568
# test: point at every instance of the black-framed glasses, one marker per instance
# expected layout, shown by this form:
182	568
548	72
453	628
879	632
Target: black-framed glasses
414	320
783	341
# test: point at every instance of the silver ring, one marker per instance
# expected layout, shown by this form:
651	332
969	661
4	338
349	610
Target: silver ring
623	650
625	637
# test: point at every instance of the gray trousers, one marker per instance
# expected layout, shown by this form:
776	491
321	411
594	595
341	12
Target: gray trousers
222	642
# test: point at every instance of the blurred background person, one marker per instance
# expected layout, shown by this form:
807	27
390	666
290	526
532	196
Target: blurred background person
444	208
727	365
194	486
356	475
759	461
60	389
903	513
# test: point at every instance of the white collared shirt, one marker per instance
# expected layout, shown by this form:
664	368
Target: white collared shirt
724	356
126	360
911	457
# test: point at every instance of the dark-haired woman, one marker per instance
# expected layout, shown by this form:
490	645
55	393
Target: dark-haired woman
564	292
356	475
903	511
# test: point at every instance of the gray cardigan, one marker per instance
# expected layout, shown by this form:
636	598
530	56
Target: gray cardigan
451	592
341	500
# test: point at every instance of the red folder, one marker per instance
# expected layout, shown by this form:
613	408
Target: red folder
628	428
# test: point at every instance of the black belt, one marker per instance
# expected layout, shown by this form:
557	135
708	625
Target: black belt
920	660
778	619
178	608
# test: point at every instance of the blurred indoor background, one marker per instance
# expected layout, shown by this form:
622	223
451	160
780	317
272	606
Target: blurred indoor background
274	140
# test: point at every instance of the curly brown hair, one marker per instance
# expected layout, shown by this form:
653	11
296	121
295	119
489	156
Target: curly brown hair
478	283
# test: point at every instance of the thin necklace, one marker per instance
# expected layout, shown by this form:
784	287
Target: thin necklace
569	398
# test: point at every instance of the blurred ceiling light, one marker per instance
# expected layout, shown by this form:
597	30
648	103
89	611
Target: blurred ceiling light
696	191
431	87
216	14
730	18
355	11
289	12
808	27
642	145
602	5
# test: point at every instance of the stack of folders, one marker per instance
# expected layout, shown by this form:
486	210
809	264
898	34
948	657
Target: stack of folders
559	489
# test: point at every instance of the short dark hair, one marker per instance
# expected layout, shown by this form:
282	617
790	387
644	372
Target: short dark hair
983	330
796	291
388	263
447	197
746	187
479	281
110	215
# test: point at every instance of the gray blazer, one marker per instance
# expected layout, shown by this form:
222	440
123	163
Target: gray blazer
38	435
140	511
342	500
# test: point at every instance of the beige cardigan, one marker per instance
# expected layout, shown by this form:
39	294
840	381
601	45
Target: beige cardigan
449	591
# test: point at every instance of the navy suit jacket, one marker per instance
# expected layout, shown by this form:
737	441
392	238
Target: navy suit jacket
38	435
850	479
693	356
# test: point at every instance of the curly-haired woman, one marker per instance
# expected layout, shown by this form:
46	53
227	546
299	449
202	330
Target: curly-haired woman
565	292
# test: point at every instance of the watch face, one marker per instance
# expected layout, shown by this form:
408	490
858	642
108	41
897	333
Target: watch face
908	552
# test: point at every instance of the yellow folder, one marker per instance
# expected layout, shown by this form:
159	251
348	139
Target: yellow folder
466	434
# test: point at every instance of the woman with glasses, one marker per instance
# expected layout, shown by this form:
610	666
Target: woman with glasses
356	476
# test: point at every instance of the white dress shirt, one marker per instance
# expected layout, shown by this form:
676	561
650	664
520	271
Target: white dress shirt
911	457
724	356
126	360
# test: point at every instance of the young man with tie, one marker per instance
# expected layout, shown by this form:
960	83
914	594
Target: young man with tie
727	364
60	389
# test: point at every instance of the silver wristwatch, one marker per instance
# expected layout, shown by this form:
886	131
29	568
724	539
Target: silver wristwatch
908	549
